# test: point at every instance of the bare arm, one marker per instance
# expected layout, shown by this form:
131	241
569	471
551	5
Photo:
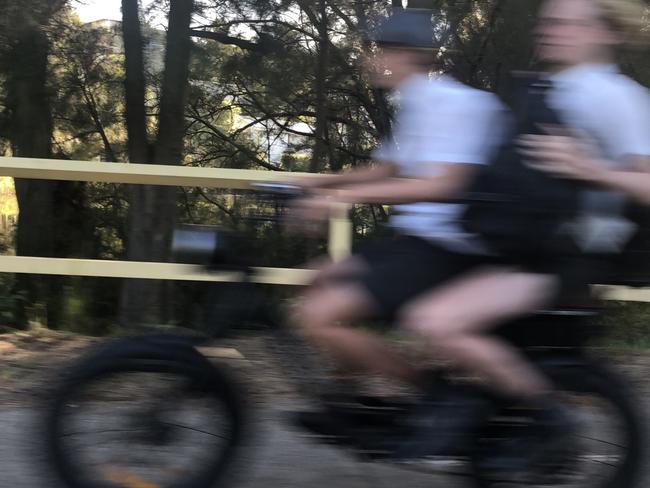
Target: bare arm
449	184
378	171
635	184
451	181
564	157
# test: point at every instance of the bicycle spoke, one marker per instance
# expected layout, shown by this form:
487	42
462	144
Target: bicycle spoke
129	434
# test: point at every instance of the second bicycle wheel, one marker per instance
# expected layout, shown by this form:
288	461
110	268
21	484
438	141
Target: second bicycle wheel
605	448
144	423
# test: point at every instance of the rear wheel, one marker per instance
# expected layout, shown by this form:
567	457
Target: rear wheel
128	422
605	449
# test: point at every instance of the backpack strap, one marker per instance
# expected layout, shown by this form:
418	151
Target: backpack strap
524	87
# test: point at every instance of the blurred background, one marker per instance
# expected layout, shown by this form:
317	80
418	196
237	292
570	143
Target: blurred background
271	85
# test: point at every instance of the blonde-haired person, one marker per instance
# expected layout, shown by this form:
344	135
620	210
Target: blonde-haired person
571	156
629	18
578	42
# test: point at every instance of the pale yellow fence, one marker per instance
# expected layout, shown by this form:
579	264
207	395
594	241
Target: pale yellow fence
340	230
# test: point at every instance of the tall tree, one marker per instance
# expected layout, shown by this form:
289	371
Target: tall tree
152	209
28	101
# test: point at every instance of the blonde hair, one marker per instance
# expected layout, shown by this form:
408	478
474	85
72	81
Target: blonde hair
628	17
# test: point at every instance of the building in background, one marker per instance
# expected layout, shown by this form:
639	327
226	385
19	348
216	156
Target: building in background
274	143
154	42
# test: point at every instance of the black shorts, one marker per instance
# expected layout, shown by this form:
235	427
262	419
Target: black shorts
575	272
400	268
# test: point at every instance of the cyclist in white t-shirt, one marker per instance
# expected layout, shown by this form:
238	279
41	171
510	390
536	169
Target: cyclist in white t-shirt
579	40
443	130
608	146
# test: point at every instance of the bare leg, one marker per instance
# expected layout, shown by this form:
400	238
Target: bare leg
455	319
330	271
323	316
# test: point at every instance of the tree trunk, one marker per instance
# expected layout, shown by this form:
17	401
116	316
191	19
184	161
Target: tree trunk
136	119
136	297
31	122
171	131
152	209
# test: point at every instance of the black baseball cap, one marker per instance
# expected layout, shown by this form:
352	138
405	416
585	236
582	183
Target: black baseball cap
409	28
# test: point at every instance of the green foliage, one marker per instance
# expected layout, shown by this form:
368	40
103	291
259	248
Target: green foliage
627	325
87	77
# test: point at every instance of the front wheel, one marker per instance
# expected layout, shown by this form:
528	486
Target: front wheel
165	418
606	447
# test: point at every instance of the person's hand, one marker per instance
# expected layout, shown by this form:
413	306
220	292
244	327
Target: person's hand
561	154
309	215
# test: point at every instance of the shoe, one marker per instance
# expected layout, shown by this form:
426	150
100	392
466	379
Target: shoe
542	444
443	427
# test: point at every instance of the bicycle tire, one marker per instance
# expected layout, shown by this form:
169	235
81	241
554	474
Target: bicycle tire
138	355
594	378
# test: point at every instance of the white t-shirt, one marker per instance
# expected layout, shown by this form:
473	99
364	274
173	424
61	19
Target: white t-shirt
614	112
440	121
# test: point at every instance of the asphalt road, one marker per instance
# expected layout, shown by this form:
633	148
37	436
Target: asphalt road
281	457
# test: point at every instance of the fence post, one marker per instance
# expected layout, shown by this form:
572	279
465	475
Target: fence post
340	232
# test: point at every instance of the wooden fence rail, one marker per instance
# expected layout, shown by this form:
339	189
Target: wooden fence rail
340	230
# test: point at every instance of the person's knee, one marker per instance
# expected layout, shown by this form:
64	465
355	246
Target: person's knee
309	314
322	309
437	324
445	332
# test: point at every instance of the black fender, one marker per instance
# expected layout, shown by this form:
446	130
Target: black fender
160	347
161	352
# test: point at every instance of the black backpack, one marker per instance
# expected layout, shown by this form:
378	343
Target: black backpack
516	210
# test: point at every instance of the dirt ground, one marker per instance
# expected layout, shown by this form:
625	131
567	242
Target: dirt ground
31	362
27	360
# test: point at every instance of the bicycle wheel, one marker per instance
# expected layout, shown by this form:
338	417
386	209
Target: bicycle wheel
164	420
604	450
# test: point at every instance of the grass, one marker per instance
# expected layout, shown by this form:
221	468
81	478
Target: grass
627	326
